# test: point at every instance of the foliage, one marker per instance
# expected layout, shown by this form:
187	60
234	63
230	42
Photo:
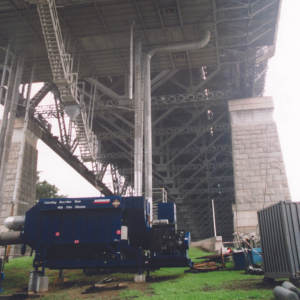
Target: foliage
46	190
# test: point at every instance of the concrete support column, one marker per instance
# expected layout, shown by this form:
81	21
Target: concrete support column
10	124
26	192
259	173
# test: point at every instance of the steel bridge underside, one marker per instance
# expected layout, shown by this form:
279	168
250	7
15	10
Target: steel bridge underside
192	152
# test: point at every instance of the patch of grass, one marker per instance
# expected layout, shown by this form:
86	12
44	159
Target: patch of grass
195	252
24	262
163	284
58	296
17	273
225	284
212	285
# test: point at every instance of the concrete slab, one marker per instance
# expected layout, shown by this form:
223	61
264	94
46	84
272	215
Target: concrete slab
139	278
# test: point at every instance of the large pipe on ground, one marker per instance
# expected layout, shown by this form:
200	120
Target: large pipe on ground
289	286
148	124
281	293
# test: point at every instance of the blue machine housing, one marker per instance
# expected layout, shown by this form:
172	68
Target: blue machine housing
102	232
166	242
167	211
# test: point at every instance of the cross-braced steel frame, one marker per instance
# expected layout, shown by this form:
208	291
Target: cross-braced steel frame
192	159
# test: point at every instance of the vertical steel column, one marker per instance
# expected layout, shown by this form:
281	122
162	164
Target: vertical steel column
10	127
8	97
138	121
4	71
22	147
148	136
131	62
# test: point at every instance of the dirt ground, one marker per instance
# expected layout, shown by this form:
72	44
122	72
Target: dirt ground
78	292
77	289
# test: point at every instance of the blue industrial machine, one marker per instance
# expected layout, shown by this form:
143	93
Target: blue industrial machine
104	232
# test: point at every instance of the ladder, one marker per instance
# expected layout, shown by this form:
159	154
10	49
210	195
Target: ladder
62	65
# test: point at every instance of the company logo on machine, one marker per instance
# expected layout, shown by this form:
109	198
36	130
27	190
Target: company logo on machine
102	201
116	203
50	202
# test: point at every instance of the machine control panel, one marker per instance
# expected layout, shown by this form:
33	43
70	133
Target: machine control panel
82	203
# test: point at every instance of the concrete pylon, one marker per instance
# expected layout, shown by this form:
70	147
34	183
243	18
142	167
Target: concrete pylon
26	193
259	173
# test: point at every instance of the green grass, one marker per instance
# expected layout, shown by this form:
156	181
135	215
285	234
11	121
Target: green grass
226	284
17	273
213	285
164	284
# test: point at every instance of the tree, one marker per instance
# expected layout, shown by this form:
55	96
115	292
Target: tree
46	190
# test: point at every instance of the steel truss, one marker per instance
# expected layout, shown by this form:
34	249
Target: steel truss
192	157
191	154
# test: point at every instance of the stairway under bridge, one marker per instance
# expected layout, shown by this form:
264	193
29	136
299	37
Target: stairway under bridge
82	51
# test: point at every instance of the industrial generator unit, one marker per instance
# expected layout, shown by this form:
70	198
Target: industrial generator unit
102	232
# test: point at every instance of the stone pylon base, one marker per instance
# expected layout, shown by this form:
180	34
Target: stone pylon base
26	193
259	173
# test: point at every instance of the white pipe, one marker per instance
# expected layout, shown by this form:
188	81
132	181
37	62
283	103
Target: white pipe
14	223
22	147
214	216
182	47
131	63
148	124
138	121
148	136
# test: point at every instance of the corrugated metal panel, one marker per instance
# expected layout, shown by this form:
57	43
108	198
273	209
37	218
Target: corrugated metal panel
280	239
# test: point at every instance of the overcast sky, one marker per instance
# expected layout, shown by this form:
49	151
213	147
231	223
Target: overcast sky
283	83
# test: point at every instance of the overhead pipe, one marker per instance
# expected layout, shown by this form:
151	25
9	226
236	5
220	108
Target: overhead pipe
138	121
148	124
